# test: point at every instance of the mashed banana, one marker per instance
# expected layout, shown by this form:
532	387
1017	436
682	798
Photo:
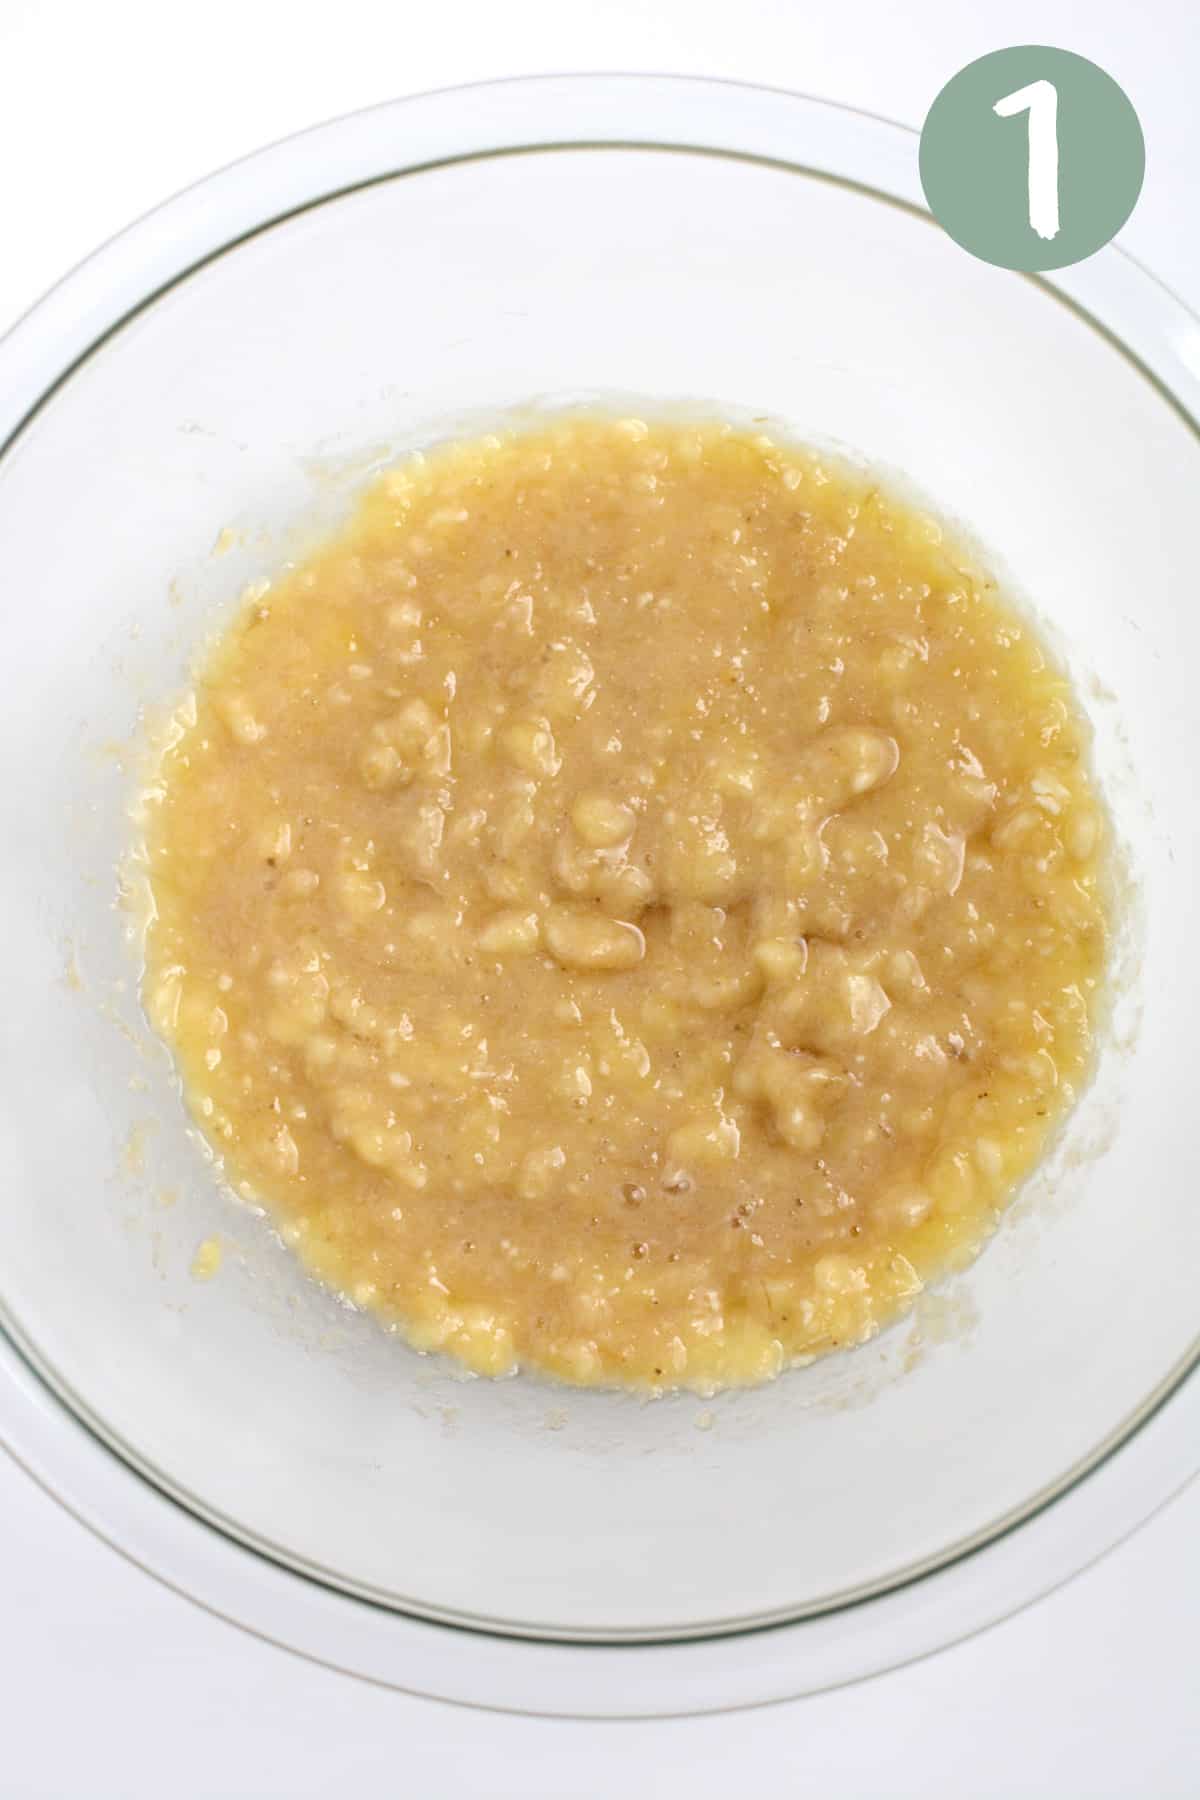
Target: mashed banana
631	906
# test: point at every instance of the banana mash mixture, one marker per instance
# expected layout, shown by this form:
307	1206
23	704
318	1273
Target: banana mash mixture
631	906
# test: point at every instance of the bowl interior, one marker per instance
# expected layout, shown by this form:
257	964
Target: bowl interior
203	443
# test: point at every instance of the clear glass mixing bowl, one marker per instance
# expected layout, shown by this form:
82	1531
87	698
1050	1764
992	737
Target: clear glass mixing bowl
244	359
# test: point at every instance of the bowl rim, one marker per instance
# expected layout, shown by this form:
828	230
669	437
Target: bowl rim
1138	316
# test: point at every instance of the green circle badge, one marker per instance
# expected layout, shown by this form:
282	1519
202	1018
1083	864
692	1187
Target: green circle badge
1032	158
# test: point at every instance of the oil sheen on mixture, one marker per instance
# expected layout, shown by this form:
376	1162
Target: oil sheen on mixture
631	907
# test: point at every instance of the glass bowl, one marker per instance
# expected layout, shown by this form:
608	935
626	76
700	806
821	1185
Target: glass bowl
182	416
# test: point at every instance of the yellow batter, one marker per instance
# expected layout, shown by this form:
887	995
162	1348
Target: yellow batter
631	906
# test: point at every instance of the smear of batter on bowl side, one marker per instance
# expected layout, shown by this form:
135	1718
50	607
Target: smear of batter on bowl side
630	906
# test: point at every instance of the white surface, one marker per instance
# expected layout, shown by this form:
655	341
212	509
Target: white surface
115	1687
1095	1682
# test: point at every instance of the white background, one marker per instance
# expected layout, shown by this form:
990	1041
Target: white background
109	1684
